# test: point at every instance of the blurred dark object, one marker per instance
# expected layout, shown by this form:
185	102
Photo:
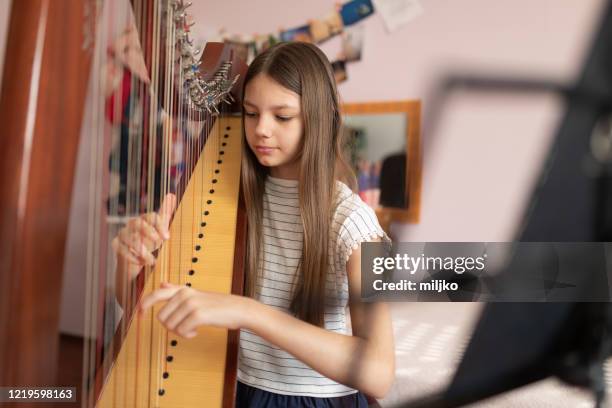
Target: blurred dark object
393	181
605	205
515	344
601	164
528	342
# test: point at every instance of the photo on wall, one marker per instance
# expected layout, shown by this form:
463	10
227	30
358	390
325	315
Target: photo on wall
339	68
352	43
324	28
355	11
301	33
264	41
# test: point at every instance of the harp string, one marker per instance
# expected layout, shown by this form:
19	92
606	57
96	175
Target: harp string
119	26
111	91
153	198
150	138
164	255
143	340
134	119
90	253
123	173
146	190
100	228
107	209
95	133
132	207
156	132
171	88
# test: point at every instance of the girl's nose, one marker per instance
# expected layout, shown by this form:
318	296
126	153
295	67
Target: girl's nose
263	128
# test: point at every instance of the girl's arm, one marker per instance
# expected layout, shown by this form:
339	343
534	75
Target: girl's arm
364	361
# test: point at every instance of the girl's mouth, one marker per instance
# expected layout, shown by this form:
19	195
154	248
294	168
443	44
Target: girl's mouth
265	149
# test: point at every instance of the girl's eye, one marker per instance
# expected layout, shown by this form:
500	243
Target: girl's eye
283	118
250	114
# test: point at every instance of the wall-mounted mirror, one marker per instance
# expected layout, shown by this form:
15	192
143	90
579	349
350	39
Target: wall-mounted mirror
385	141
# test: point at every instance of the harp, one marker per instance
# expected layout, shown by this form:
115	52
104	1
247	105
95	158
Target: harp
160	125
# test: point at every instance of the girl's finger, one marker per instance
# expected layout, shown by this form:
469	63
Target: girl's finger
133	240
148	231
157	296
189	323
141	228
125	253
158	223
143	253
124	235
161	220
169	308
182	312
167	209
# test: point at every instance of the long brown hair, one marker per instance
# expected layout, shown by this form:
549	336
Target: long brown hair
305	70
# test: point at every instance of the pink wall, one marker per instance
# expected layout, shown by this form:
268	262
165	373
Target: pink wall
479	172
544	36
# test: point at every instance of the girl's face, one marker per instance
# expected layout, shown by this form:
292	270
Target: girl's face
274	126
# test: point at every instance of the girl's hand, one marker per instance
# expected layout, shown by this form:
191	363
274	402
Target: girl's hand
136	242
186	309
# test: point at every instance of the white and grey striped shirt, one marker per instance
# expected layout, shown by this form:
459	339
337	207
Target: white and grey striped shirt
261	364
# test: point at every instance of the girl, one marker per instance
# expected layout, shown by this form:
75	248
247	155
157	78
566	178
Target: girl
303	252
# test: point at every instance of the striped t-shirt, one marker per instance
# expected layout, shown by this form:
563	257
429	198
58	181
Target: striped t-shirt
261	364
